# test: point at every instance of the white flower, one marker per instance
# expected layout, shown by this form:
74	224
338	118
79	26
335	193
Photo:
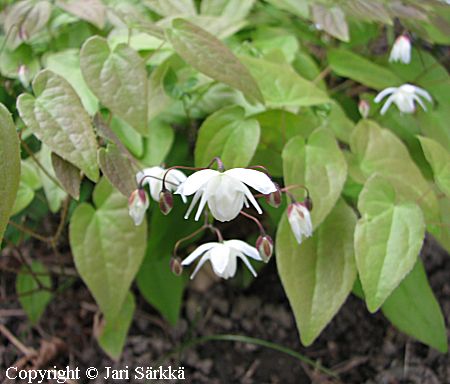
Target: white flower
401	50
223	257
300	221
404	97
137	205
225	192
153	177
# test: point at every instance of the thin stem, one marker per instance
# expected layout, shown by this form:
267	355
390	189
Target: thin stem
219	162
254	341
157	178
188	237
29	232
16	342
258	223
178	167
217	231
322	75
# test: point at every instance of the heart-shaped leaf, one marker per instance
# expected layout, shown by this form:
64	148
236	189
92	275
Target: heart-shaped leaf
92	11
107	247
56	117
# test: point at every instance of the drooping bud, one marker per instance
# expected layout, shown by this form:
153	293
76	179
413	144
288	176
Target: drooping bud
165	201
137	205
401	50
300	221
308	203
175	266
364	108
264	245
23	75
274	199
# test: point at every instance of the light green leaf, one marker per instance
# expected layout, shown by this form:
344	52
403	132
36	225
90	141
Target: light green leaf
439	160
25	19
9	167
68	175
57	118
368	11
33	299
233	10
29	183
113	335
92	11
118	78
413	309
158	100
355	67
388	239
132	140
319	274
107	247
332	20
319	165
282	86
158	144
297	7
172	7
229	135
443	236
117	168
378	150
210	56
67	64
54	194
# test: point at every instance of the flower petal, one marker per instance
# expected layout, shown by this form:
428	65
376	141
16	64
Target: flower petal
252	199
197	180
384	93
423	93
202	261
219	256
200	250
255	179
201	206
193	202
387	104
242	246
247	263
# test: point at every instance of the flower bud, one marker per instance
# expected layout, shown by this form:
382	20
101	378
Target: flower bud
364	108
264	245
308	203
137	205
165	201
274	198
175	266
300	220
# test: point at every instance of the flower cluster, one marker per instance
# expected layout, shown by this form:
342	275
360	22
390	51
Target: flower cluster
405	96
223	193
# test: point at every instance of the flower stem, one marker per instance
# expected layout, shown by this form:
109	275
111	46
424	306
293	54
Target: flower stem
188	237
258	223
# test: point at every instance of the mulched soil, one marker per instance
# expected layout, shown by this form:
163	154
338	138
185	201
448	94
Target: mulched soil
359	347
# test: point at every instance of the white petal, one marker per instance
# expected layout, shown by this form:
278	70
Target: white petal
256	179
387	104
201	206
423	93
419	100
247	263
252	199
199	251
219	256
193	202
202	261
197	180
384	93
225	196
230	270
242	246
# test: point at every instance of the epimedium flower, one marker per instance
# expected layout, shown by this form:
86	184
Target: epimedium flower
404	97
225	192
223	257
138	203
153	178
299	218
401	50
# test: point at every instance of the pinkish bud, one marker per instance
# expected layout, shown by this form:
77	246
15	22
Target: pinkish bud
364	108
165	201
308	203
175	266
137	205
274	198
264	245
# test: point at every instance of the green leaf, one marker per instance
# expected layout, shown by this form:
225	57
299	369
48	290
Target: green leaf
282	86
158	144
53	192
113	335
233	10
439	160
93	11
9	167
68	175
229	135
319	165
172	7
107	247
297	7
128	136
388	239
33	299
25	19
118	78
332	20
378	150
319	274
210	56
118	169
413	309
67	64
355	67
57	118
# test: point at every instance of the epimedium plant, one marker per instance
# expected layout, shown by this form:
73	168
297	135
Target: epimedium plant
127	109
